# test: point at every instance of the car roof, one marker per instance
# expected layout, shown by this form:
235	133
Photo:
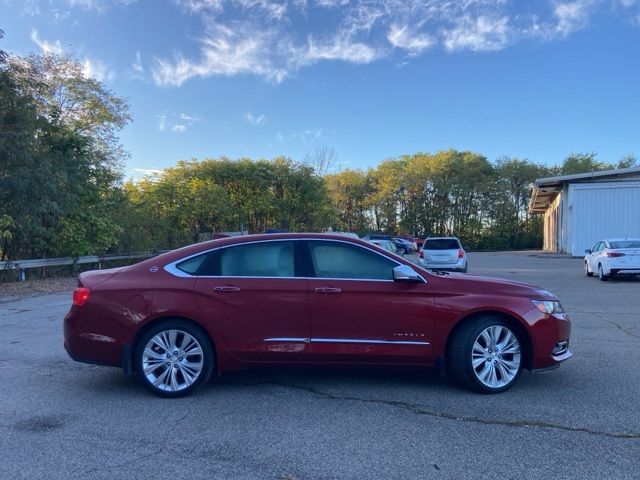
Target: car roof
442	238
620	239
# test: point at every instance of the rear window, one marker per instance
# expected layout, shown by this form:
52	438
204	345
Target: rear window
626	244
441	244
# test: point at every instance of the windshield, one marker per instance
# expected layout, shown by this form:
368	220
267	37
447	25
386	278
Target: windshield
441	244
626	244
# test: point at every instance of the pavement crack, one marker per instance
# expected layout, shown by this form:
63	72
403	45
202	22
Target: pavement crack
421	410
617	325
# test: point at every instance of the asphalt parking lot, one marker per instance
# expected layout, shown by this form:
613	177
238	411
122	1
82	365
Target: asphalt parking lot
61	419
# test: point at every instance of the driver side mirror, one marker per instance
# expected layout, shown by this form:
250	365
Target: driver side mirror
587	251
404	273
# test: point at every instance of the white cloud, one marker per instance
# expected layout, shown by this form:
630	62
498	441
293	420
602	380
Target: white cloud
176	123
45	46
254	119
87	4
403	37
273	39
146	171
137	63
309	135
97	70
339	48
162	122
478	34
199	6
572	16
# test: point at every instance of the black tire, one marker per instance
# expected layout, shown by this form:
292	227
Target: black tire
601	275
207	357
465	269
586	270
459	354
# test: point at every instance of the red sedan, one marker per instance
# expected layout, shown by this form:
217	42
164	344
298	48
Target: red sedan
308	299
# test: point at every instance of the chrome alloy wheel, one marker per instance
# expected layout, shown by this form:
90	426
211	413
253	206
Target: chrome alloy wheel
496	356
172	360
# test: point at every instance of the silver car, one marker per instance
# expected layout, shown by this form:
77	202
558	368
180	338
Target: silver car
443	253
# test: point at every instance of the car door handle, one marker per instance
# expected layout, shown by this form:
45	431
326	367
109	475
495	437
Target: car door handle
226	288
328	290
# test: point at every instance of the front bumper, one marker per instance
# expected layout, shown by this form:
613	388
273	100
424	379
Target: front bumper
548	334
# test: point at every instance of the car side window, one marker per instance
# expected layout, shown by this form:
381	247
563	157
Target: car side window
192	265
343	260
600	246
264	259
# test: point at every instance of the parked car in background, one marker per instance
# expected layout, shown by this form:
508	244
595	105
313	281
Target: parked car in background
403	246
388	245
302	299
412	241
345	234
443	253
614	256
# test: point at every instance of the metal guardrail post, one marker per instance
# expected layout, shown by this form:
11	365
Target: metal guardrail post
21	274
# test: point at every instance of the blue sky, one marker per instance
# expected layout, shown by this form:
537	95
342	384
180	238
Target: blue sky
372	79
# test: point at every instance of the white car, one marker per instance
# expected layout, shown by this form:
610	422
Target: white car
614	256
443	253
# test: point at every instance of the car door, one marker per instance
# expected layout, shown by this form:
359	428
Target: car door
359	313
591	257
257	300
598	255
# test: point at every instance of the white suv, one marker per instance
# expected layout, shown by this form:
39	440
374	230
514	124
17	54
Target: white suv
443	253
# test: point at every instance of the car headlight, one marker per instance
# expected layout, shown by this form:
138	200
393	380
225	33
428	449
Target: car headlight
550	307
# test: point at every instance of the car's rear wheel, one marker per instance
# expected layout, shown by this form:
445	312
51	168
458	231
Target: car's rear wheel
587	272
486	355
601	274
174	358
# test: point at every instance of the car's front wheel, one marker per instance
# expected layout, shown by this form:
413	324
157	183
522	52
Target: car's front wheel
587	272
174	358
486	355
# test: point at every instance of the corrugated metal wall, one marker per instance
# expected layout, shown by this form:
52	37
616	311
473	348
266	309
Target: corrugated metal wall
602	210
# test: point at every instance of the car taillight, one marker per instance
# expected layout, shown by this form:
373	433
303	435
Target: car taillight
421	254
80	296
460	253
615	254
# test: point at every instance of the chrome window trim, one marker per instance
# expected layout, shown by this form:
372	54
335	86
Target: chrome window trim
345	340
173	270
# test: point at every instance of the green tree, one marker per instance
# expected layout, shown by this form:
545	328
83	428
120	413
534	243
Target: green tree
350	195
583	163
61	167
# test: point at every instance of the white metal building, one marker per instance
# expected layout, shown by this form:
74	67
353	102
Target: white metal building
584	208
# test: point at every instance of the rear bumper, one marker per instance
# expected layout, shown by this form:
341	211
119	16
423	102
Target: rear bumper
452	267
89	347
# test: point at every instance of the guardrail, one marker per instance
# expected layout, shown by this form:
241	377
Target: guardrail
23	265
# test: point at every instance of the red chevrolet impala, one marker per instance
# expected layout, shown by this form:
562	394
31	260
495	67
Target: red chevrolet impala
308	299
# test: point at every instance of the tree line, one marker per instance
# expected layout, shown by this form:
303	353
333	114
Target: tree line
63	190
